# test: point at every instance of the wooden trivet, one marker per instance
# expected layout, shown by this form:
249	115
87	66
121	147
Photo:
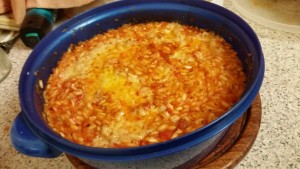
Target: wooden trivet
230	150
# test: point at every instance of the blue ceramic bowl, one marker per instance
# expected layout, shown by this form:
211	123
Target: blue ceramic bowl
30	134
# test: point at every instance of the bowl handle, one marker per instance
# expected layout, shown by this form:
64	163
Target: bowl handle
26	142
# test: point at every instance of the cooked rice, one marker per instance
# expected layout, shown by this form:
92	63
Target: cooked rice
142	84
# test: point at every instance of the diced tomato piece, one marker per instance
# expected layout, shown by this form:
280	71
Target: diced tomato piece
182	124
166	135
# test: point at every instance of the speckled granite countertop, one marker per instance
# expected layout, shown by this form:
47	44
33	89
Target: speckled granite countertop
277	144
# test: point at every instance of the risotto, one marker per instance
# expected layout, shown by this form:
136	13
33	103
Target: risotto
142	84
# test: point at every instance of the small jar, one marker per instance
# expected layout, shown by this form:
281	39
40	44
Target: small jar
5	65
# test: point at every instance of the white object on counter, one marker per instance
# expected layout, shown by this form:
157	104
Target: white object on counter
280	14
218	2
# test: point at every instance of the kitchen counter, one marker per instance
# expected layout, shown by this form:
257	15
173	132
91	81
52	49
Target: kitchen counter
277	144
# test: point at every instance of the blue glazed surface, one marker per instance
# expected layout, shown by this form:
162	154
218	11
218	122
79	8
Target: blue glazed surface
27	143
193	12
